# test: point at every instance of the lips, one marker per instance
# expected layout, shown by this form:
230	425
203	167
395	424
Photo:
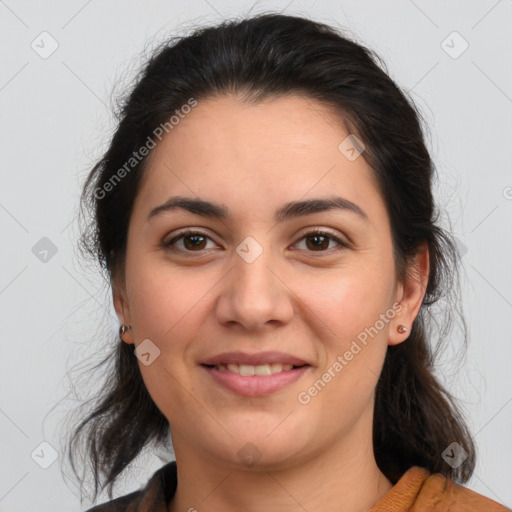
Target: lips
257	359
255	385
253	375
262	369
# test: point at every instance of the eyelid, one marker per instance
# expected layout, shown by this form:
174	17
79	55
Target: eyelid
186	232
340	239
310	231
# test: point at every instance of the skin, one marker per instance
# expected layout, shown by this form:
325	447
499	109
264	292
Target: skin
294	298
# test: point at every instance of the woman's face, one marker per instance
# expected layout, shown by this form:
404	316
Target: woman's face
258	279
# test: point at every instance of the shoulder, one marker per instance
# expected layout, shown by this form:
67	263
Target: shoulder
117	505
418	490
158	491
438	489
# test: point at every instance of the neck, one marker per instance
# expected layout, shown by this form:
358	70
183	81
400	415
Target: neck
343	477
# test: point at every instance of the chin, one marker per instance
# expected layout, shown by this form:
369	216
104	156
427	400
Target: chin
264	450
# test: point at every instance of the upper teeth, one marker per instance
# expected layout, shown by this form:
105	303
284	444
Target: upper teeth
261	369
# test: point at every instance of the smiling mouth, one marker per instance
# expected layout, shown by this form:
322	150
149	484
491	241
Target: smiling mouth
248	370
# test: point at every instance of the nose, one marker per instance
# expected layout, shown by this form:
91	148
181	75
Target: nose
253	295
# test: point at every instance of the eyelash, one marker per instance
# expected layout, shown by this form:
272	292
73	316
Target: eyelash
313	232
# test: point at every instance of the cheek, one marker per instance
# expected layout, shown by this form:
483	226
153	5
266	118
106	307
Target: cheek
348	299
353	345
352	333
166	308
164	300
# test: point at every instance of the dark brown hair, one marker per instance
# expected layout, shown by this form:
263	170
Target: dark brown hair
415	419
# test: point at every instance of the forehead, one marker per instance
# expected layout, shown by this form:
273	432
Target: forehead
227	128
256	154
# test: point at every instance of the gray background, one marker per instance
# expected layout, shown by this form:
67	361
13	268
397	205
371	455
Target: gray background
56	120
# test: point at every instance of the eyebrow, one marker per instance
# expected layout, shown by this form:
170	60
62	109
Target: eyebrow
289	211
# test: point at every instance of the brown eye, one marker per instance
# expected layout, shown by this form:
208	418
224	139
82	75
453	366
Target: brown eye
319	241
194	241
188	241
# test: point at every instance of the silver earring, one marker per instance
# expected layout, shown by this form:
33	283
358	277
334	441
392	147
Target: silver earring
123	329
401	328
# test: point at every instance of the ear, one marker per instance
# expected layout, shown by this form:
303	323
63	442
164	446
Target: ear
410	295
122	308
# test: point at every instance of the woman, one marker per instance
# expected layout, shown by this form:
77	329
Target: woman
265	216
